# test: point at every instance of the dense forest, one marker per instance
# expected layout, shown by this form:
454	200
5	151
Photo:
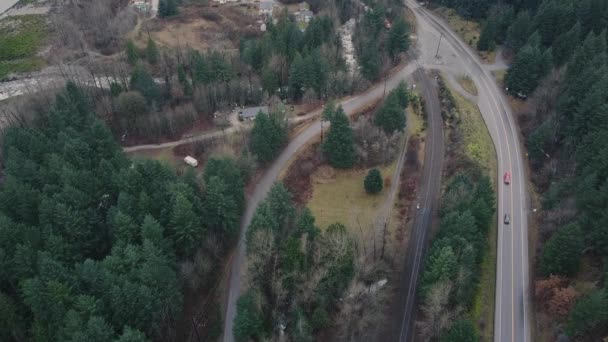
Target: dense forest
97	247
450	275
296	274
560	63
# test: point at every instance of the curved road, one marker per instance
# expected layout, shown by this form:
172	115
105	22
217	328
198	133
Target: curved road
511	322
271	175
430	186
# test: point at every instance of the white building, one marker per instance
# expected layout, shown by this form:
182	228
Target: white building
266	7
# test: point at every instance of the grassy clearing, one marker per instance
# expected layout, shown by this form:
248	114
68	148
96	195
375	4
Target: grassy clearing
467	29
478	146
21	65
483	304
415	120
338	196
468	85
20	39
477	142
164	155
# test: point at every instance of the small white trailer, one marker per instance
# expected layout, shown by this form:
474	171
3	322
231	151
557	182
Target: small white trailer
191	161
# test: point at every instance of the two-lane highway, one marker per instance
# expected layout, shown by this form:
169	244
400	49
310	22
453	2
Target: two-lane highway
511	321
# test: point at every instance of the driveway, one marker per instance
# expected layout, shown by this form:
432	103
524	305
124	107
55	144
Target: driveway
271	175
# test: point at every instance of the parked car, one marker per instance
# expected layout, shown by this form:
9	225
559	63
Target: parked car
507	219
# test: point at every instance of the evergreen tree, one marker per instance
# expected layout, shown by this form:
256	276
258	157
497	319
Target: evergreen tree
11	324
248	323
461	331
201	73
328	111
221	211
115	89
183	80
488	36
391	115
339	147
125	230
561	254
144	83
132	335
151	52
440	264
306	224
167	8
370	60
132	53
553	18
268	135
529	67
185	226
566	43
519	31
373	182
590	312
229	172
398	38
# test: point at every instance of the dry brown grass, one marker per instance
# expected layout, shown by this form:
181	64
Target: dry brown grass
339	196
205	28
468	85
467	29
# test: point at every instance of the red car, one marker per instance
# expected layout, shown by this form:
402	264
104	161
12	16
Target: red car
507	177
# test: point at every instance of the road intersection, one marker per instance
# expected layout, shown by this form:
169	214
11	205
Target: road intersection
511	321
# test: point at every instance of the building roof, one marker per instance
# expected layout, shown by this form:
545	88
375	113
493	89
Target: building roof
306	13
252	111
266	5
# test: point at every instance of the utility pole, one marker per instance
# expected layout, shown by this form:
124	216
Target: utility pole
384	94
322	128
439	44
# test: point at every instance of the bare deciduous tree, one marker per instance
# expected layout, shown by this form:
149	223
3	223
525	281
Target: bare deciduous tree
373	145
437	316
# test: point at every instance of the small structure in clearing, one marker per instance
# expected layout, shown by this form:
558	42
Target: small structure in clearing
191	161
251	112
304	16
266	7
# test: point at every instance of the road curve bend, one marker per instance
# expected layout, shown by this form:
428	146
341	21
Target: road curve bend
350	106
511	320
427	198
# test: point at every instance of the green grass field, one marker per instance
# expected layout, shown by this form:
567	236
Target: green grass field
342	198
20	40
478	146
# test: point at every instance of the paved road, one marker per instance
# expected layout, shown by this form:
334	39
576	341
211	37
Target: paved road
350	106
6	4
511	321
428	194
